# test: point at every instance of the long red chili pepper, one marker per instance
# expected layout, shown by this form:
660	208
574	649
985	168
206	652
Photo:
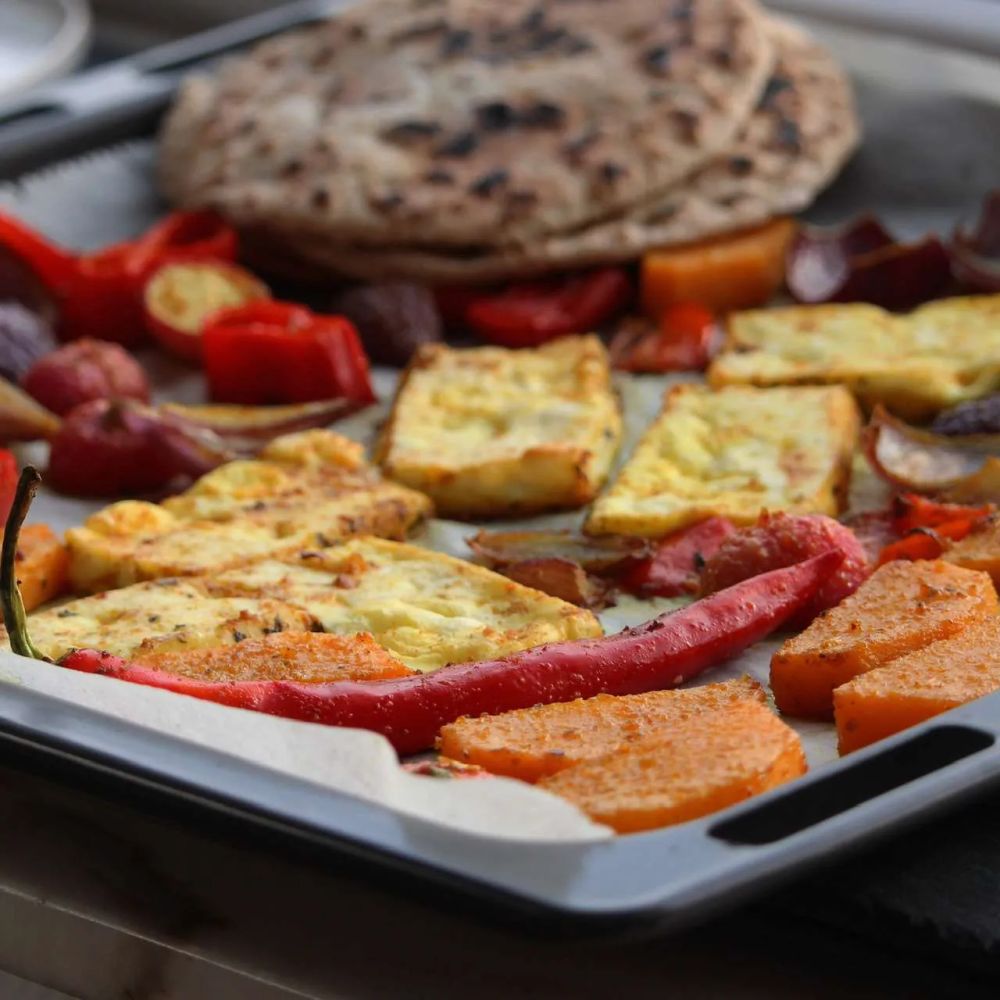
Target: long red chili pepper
409	712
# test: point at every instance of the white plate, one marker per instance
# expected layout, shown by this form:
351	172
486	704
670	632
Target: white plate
40	40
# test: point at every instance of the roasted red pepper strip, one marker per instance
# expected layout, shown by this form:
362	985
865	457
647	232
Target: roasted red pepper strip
53	264
275	352
911	511
923	524
682	340
201	234
922	543
530	313
673	569
663	653
100	293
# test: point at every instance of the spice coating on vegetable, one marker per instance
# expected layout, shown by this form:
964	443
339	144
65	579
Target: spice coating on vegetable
701	765
901	607
918	686
532	743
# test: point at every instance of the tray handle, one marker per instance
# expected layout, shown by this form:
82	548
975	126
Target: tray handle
932	763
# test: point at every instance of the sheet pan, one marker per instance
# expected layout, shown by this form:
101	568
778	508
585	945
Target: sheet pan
931	151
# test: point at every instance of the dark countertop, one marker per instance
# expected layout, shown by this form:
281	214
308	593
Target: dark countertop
139	905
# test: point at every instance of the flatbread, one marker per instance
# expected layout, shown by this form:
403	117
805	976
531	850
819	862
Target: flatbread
466	122
798	138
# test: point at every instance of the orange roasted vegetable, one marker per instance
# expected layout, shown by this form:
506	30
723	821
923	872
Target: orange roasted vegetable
304	657
700	765
532	743
901	607
918	686
980	549
722	273
42	564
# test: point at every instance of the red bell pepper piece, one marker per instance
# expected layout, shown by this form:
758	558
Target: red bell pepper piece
530	313
911	510
201	234
682	340
275	352
921	543
101	299
672	569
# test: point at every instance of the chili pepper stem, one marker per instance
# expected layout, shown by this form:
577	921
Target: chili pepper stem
14	617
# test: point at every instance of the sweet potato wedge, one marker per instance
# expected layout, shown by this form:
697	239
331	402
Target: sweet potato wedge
918	686
725	272
306	657
533	743
901	607
701	765
42	565
978	550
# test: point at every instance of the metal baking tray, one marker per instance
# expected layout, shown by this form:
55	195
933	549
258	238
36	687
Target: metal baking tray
656	880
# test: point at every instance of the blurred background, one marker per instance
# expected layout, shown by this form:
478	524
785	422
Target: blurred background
45	39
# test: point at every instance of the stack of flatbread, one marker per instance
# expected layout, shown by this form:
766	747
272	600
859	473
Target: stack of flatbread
471	140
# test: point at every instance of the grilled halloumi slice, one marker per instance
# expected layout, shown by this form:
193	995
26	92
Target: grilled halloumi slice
938	355
308	489
427	608
161	615
734	453
489	432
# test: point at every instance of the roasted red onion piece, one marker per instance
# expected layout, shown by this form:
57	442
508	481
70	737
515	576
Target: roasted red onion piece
111	448
862	262
393	319
27	317
24	339
23	419
962	468
561	578
602	556
819	259
84	370
975	256
258	423
978	416
576	568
